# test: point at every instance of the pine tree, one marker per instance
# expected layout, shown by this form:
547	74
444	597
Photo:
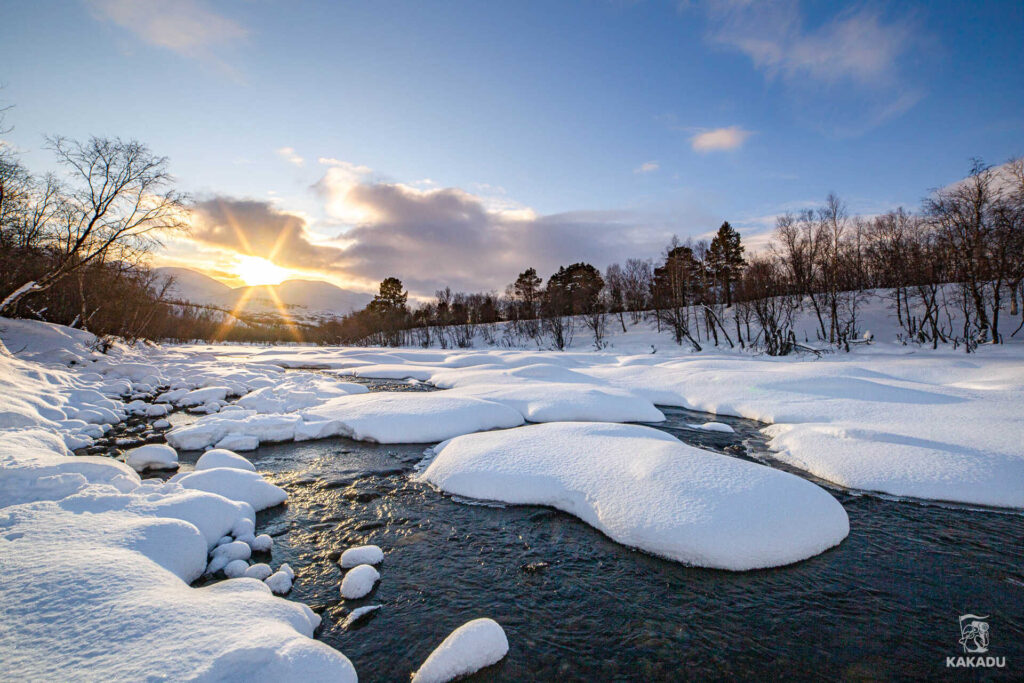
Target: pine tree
725	258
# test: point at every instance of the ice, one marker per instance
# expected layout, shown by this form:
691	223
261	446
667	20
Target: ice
471	647
361	554
237	485
646	489
153	456
221	457
359	581
411	417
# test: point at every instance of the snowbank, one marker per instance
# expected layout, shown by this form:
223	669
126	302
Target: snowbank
235	484
412	417
469	648
646	489
90	547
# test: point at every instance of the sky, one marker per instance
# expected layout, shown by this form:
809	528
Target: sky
458	143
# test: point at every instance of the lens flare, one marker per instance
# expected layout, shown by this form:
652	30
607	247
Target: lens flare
259	271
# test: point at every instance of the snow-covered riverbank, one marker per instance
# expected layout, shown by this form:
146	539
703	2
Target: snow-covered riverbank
939	425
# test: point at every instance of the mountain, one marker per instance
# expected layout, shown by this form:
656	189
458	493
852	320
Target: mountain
196	287
313	296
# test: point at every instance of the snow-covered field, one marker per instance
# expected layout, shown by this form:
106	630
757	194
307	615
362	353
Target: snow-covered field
97	560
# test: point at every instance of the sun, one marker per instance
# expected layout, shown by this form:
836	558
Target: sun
259	271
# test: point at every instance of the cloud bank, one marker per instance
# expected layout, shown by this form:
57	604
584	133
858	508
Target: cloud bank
429	238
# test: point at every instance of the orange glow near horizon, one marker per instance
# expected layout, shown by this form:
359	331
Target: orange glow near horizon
253	270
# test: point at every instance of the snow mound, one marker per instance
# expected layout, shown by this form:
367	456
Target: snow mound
713	427
236	485
646	489
361	554
565	402
469	648
359	581
153	456
221	457
411	417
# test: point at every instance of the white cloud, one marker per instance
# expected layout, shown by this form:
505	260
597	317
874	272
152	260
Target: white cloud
847	74
647	167
720	139
184	26
856	45
289	155
335	185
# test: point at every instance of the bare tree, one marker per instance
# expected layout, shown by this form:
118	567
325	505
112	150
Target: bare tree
120	198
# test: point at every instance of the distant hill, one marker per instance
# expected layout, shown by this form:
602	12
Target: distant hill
313	296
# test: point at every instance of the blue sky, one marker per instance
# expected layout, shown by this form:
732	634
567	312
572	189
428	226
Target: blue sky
543	130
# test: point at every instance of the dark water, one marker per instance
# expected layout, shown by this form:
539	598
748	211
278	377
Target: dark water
577	606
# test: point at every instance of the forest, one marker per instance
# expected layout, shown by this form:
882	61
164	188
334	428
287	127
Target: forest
75	249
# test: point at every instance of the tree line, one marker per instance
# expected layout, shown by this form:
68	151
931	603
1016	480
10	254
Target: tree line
951	272
74	249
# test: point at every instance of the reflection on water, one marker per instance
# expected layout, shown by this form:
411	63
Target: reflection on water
578	606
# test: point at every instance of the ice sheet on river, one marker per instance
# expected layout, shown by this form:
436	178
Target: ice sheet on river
646	489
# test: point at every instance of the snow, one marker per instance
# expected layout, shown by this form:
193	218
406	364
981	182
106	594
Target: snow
259	571
646	489
359	581
471	647
713	427
220	457
237	485
901	420
153	456
359	614
280	582
410	417
361	554
262	543
236	569
238	442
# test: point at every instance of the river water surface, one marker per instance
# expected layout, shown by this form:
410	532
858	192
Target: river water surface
577	606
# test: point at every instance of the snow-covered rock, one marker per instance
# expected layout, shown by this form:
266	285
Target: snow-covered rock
469	648
361	554
280	582
237	485
221	457
259	571
359	614
646	489
153	456
359	581
713	427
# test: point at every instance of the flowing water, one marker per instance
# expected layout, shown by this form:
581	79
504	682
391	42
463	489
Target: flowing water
577	606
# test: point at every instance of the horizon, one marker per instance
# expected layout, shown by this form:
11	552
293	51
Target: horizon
460	147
